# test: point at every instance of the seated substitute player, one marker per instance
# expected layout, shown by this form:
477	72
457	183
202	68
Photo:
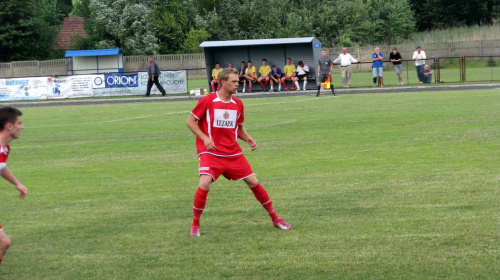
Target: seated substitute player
214	81
251	75
241	74
290	74
302	71
11	124
264	71
217	122
275	76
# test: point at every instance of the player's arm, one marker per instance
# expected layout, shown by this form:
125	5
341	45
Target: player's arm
7	175
243	135
192	124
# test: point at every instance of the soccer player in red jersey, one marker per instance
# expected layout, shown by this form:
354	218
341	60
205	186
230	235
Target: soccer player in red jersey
11	124
217	121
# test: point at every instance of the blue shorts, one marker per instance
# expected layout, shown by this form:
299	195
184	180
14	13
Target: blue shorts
378	72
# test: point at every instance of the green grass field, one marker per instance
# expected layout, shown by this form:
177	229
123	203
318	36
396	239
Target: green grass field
375	186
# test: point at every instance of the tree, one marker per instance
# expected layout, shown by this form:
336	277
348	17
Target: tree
27	29
431	14
172	24
393	20
124	24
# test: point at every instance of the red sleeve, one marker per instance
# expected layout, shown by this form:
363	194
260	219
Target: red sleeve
201	108
241	119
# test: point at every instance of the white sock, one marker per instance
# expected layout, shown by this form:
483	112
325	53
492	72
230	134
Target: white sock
297	84
243	90
305	83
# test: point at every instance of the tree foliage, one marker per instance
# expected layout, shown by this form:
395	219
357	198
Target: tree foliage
28	29
124	24
431	14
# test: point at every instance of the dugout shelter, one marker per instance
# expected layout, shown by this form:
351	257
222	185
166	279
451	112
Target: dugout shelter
94	61
276	51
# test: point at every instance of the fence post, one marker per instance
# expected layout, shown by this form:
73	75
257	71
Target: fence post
182	61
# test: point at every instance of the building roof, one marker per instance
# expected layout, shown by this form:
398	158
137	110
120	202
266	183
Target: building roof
70	28
256	42
100	52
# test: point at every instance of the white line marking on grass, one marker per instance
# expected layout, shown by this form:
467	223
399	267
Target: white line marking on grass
284	102
116	120
270	125
180	112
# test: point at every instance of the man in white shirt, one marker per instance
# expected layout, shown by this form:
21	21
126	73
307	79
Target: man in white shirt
345	60
302	71
419	57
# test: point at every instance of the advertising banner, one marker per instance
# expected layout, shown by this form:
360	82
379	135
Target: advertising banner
78	86
23	88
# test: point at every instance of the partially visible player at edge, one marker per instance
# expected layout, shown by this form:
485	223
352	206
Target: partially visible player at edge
11	124
217	121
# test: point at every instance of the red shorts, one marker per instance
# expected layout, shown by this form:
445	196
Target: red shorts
233	168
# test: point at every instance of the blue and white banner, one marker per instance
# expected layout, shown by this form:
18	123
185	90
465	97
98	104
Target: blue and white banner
114	84
23	88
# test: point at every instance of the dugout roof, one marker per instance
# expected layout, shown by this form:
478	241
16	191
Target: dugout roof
94	61
276	51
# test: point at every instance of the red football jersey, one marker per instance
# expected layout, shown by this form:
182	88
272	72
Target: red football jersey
4	153
219	120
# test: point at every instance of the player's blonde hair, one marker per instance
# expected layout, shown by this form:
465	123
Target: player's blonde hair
224	74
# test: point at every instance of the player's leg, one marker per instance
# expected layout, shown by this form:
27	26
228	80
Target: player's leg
259	80
320	80
200	200
263	197
283	82
331	86
212	85
272	81
296	79
4	244
305	83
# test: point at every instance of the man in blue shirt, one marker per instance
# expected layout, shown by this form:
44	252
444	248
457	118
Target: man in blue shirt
276	75
378	67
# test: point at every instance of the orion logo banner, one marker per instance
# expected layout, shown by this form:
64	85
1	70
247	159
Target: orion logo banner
121	80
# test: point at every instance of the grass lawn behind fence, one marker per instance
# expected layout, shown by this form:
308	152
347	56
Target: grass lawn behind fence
375	186
449	74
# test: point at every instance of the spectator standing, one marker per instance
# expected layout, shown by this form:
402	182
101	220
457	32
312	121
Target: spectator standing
275	76
345	60
325	68
264	71
214	81
251	75
302	71
154	77
378	67
427	74
395	58
419	57
290	74
241	74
